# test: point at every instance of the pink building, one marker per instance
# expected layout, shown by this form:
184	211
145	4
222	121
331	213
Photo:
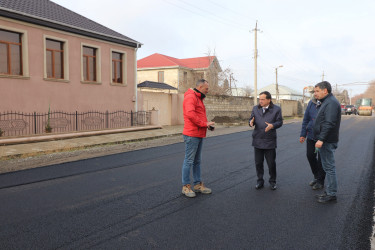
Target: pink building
51	56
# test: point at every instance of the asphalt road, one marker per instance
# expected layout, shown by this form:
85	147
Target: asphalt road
133	200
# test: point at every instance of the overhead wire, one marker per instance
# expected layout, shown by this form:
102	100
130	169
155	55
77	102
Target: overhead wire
270	42
211	18
212	14
233	11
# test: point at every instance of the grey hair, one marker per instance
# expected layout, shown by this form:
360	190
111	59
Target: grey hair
324	85
200	81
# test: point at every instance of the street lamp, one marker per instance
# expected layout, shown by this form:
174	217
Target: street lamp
277	85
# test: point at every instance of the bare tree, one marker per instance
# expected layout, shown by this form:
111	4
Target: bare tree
221	81
248	90
369	93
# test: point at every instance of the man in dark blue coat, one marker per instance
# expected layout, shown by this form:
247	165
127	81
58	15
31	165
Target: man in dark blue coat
307	135
326	132
266	117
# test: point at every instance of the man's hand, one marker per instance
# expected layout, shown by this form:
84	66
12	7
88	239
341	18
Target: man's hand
302	139
318	144
210	124
251	123
269	127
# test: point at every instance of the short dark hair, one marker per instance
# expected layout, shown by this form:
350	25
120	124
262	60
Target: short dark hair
200	81
324	85
268	94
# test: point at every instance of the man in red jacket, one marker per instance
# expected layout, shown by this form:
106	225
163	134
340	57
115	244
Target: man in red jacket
195	128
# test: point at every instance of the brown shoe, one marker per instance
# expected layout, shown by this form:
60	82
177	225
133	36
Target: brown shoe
202	189
186	190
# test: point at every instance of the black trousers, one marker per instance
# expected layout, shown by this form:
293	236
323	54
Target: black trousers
270	155
315	161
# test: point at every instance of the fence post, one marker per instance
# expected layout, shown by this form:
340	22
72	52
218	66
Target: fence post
34	122
131	117
76	120
106	119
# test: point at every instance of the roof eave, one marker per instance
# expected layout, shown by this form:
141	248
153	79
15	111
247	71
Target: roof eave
64	27
162	67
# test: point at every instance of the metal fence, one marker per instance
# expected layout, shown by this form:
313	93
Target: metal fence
22	124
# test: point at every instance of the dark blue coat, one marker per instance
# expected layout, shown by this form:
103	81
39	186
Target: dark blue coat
327	123
261	139
308	120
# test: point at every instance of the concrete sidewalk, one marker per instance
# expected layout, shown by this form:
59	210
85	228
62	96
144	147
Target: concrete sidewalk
56	144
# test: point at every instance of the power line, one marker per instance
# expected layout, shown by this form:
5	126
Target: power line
215	19
226	8
205	11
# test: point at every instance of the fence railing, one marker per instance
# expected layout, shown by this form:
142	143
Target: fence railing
21	124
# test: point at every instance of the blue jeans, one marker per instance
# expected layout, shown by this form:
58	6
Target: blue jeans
193	152
327	156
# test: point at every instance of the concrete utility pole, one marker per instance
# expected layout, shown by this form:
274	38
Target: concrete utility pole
323	76
277	85
255	65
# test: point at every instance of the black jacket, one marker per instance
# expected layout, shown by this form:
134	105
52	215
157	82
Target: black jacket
261	139
327	122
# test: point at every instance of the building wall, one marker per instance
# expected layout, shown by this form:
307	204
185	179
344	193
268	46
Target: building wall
35	93
171	76
158	101
175	76
168	105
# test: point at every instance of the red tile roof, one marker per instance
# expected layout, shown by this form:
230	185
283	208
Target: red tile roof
158	60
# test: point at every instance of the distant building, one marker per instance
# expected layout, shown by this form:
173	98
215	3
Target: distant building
178	73
285	93
239	92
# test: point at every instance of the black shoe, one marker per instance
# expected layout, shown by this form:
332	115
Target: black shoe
321	195
313	182
259	186
273	186
317	186
327	198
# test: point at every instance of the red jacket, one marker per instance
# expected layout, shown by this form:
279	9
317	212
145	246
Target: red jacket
194	115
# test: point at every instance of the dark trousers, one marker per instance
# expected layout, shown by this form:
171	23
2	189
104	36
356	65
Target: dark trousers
270	155
315	161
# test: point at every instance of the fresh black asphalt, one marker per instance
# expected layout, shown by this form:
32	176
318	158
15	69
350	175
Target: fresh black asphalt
133	200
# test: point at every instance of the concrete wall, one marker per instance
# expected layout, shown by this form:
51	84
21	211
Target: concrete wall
34	92
291	108
168	105
221	109
228	109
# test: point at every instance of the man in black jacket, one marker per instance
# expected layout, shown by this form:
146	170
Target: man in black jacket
326	132
267	118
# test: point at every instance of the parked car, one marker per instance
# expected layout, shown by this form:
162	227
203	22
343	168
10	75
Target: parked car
342	109
350	109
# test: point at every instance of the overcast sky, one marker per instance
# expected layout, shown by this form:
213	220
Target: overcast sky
306	37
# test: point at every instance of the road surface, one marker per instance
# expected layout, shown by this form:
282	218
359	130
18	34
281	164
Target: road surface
133	200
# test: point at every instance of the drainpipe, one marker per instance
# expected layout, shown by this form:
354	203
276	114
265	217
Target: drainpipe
178	78
135	79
